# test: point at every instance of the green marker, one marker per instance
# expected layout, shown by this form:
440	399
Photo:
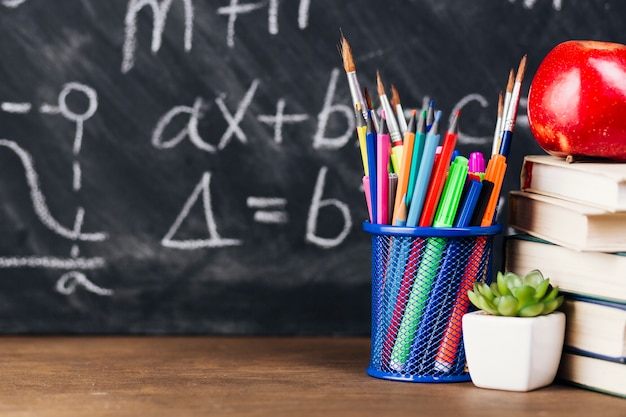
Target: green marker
451	195
427	270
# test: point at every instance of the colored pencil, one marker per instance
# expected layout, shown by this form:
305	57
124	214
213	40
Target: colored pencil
392	190
405	166
368	196
438	176
430	115
416	158
382	171
361	131
424	173
370	142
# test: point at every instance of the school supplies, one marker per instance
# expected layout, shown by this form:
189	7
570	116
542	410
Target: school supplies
432	221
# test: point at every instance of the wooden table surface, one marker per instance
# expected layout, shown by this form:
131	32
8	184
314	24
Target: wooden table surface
244	376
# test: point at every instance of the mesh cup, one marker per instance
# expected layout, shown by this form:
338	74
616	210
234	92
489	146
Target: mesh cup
420	279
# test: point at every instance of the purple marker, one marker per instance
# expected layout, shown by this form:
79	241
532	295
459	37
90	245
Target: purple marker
476	162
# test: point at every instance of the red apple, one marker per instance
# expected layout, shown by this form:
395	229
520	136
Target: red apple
577	100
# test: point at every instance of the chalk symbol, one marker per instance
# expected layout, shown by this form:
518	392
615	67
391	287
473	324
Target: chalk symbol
270	210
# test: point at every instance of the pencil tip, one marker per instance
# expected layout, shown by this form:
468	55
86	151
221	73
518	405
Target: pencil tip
412	125
454	126
384	128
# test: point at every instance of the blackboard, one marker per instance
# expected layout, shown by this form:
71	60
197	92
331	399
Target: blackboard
191	166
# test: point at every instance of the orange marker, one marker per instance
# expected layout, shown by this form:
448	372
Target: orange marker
496	169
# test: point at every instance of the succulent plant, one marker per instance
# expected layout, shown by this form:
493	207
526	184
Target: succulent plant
511	295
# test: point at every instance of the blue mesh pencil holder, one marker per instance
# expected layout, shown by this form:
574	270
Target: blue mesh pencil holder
420	279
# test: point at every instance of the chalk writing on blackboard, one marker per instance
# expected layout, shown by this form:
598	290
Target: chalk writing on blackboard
12	3
268	209
214	240
234	130
279	119
529	4
70	280
161	9
76	234
316	204
276	214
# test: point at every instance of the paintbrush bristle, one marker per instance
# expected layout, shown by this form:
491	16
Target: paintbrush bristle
368	99
521	70
346	55
511	82
395	97
379	84
500	104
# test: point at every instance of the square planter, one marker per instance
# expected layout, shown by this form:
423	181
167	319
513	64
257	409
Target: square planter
513	353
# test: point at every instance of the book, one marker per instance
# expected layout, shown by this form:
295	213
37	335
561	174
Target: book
593	274
593	373
574	225
595	327
601	184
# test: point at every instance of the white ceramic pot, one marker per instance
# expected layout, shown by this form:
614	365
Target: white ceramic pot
513	353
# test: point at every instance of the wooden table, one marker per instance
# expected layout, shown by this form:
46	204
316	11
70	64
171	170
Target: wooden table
244	376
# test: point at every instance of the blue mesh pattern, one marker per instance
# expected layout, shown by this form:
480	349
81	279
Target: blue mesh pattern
420	279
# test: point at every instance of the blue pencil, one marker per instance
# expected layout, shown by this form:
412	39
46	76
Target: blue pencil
423	175
370	143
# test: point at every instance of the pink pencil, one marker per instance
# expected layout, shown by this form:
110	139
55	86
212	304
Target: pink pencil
368	199
382	171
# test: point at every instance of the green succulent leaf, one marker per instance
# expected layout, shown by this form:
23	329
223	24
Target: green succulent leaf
553	305
524	294
485	291
501	284
551	295
474	297
495	290
532	310
489	308
541	289
533	278
512	280
507	305
511	295
481	302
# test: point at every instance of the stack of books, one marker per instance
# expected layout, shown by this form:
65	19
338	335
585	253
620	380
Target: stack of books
570	223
